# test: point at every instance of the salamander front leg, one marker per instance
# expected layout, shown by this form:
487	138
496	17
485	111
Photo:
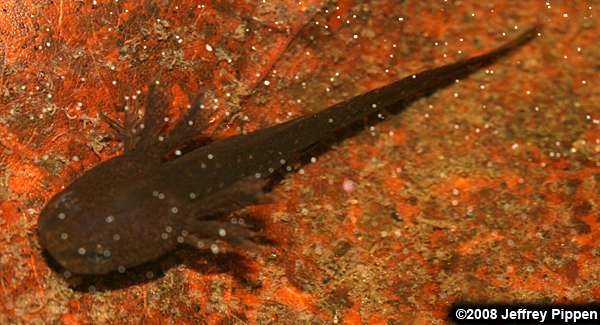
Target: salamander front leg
135	124
204	234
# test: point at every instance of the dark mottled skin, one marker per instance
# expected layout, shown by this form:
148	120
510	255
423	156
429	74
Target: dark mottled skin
136	207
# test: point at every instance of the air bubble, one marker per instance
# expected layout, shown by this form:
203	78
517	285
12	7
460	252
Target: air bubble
61	216
121	269
192	195
64	236
222	232
116	237
81	251
109	219
214	249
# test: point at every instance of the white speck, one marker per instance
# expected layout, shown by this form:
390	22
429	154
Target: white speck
348	185
222	232
192	195
210	156
267	82
116	237
61	216
209	48
109	219
214	249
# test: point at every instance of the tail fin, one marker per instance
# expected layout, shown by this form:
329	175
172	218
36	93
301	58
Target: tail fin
415	86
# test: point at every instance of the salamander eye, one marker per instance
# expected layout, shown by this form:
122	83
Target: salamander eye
100	255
